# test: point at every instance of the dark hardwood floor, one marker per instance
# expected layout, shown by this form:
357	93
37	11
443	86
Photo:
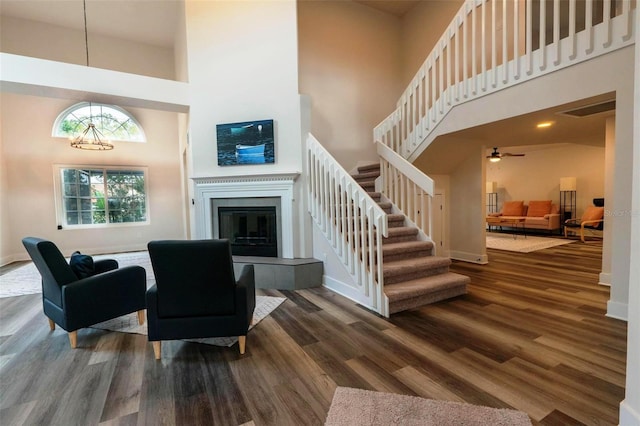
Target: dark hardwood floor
531	334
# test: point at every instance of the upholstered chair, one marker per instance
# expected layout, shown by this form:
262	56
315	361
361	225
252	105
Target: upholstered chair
75	300
592	219
196	294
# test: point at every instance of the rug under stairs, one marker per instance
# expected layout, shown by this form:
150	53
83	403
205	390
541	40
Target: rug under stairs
413	276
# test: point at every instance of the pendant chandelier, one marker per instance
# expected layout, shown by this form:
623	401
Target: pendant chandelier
90	138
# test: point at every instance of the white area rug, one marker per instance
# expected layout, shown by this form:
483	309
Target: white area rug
26	279
522	244
129	323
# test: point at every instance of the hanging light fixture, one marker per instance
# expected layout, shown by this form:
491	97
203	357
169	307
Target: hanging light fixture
90	138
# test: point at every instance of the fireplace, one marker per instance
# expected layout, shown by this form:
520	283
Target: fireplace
273	190
252	231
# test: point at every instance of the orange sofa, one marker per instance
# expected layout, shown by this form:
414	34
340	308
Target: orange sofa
539	214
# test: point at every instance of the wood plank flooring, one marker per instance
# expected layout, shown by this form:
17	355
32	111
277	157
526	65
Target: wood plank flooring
531	335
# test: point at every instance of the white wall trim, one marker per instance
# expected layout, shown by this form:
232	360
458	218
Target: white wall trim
481	259
628	415
41	77
605	279
266	185
617	310
346	290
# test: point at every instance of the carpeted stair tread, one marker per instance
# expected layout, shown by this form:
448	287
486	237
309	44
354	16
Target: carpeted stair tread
403	230
395	220
375	195
413	265
385	205
366	176
406	247
369	167
425	285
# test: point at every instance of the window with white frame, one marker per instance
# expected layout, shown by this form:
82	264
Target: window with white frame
101	196
113	122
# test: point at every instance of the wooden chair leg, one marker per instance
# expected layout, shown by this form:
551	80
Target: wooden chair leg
141	316
52	325
157	349
73	338
242	341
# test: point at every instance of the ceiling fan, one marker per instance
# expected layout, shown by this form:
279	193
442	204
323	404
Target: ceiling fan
495	156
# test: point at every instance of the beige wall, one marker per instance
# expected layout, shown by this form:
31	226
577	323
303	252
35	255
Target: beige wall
45	41
537	175
350	65
467	201
29	154
421	29
239	75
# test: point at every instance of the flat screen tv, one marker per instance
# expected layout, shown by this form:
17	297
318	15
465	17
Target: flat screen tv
249	142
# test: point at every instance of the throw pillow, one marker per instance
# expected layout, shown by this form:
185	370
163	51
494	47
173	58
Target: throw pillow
512	208
593	213
82	265
539	208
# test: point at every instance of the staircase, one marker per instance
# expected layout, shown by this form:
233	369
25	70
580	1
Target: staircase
413	276
389	261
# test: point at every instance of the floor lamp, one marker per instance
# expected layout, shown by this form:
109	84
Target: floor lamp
568	198
492	197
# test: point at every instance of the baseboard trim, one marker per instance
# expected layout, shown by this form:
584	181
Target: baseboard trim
617	310
345	290
605	279
628	415
481	259
87	250
10	259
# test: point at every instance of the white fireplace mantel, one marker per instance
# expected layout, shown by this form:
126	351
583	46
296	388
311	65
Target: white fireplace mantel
246	186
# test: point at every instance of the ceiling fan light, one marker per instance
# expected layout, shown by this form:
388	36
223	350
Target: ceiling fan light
494	159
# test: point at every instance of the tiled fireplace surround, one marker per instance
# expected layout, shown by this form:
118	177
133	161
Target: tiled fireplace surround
284	272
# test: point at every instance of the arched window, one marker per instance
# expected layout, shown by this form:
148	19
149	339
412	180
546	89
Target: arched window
113	122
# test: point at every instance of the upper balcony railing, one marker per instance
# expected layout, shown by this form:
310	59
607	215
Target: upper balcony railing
494	44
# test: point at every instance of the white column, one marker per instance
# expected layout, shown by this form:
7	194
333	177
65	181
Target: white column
609	166
630	407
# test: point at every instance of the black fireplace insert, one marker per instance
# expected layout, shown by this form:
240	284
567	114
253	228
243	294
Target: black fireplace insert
252	231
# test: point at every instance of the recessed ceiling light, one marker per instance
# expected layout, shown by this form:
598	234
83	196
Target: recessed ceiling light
544	124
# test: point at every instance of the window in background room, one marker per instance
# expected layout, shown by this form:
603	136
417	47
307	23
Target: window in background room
113	122
89	196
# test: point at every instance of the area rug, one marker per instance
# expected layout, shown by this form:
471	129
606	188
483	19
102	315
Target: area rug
522	244
26	279
357	407
129	323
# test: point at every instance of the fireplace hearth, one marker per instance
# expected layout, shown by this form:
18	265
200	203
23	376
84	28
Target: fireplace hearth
252	231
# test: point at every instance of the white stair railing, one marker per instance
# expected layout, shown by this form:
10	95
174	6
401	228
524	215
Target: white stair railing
407	188
494	44
352	223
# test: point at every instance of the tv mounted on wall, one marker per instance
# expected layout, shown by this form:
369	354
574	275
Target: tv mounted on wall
249	142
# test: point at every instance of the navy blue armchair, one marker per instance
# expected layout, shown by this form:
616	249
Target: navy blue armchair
196	294
73	302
